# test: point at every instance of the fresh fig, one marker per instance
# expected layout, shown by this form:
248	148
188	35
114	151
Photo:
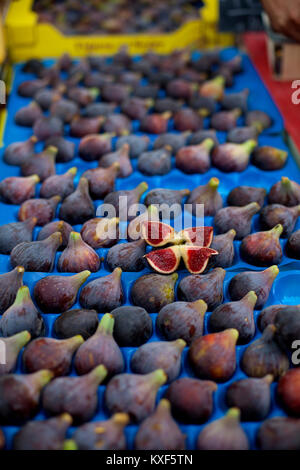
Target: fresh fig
153	291
236	218
78	256
263	248
208	287
104	293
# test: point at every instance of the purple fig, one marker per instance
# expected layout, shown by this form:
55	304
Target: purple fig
74	395
64	109
293	245
94	146
213	88
258	281
155	123
37	256
48	126
82	96
237	218
22	315
182	320
269	158
11	347
46	96
223	244
115	92
28	115
78	207
224	434
41	164
61	185
102	180
78	256
99	109
159	355
83	126
238	315
65	148
159	196
263	248
155	162
133	326
57	226
162	105
118	124
208	287
15	233
136	108
100	232
230	157
199	136
243	195
9	285
20	395
225	120
195	158
213	356
264	356
251	396
236	100
153	291
186	119
18	153
120	156
207	195
180	89
17	189
285	192
287	323
76	322
100	348
159	431
124	199
280	433
128	256
191	399
55	294
103	435
29	88
258	119
239	135
275	214
48	434
137	144
134	394
34	66
288	392
104	293
171	140
268	315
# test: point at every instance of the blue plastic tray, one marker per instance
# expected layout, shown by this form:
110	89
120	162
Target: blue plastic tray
285	288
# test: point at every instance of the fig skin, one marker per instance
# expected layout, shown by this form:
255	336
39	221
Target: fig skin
103	435
56	294
137	144
9	285
100	348
237	218
61	185
179	89
15	233
15	190
159	431
155	123
76	322
162	105
18	153
191	399
135	108
293	245
94	146
258	119
279	433
78	256
159	355
43	209
13	346
269	158
208	195
153	291
51	354
268	315
102	180
264	356
100	232
287	323
29	88
195	158
288	392
120	156
277	214
128	256
285	192
133	197
263	248
133	326
57	226
82	126
74	395
134	394
37	256
199	136
208	287
81	200
239	135
41	164
183	320
252	397
165	196
223	244
48	434
224	434
225	120
155	162
243	195
118	124
174	141
104	293
230	157
213	356
65	148
258	281
22	315
186	119
20	396
238	315
48	126
28	115
236	100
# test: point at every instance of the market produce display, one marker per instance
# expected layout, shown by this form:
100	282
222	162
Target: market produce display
154	337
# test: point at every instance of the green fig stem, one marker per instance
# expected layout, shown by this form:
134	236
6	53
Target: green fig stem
158	377
55	238
185	192
52	150
201	306
94	92
233	414
23	295
35	178
219	80
273	271
83	185
277	230
141	188
236	112
81	277
286	183
54	201
70	444
174	278
21	339
166	115
252	208
72	170
33	139
207	144
66	418
250	298
74	342
282	155
117	272
164	405
180	344
268	379
234	333
213	183
106	324
232	233
74	239
98	374
41	377
249	146
152	212
120	419
269	333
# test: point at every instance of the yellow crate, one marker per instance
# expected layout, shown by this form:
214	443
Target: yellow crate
2	43
27	38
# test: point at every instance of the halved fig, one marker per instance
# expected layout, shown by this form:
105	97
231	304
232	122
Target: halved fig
196	257
158	234
164	261
198	236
